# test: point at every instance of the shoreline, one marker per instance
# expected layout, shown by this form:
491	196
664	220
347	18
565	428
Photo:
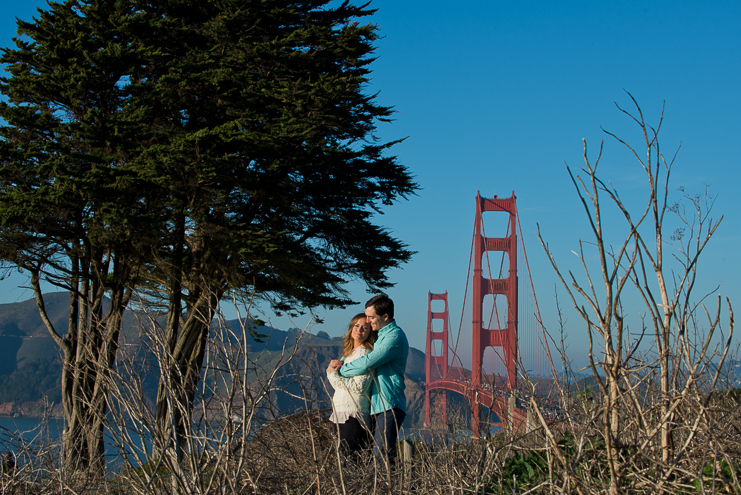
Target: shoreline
33	416
31	410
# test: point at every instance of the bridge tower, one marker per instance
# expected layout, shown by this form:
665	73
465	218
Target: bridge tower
434	363
504	338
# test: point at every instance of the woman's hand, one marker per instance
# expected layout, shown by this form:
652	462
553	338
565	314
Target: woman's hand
334	365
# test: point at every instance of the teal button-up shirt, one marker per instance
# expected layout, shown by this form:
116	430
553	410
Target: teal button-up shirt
387	362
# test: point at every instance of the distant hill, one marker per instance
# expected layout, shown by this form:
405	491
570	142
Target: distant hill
23	336
310	362
29	361
30	366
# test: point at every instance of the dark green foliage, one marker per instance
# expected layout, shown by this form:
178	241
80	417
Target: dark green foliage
262	155
69	212
524	470
263	152
190	150
227	145
726	398
718	477
66	202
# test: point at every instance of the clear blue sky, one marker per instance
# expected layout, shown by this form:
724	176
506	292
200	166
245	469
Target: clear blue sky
495	96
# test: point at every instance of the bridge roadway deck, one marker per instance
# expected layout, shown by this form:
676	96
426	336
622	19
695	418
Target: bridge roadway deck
486	398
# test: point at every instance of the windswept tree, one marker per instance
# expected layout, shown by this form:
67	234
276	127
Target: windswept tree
70	210
269	168
190	150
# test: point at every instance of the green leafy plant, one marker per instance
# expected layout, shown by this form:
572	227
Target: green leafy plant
523	470
719	476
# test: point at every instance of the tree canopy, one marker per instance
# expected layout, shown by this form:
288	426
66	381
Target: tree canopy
187	149
263	147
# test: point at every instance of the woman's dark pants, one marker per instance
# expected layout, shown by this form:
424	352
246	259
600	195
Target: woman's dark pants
354	438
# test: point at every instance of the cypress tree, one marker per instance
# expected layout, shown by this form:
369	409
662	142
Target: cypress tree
268	163
69	211
192	149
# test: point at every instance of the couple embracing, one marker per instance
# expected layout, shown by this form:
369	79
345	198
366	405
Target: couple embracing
369	385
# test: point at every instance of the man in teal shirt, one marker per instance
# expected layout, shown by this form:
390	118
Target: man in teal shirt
387	362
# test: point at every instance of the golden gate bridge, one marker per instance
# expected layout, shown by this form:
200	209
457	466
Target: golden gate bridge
504	318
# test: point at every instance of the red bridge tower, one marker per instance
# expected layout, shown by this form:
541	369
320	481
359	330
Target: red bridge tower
437	364
439	375
504	338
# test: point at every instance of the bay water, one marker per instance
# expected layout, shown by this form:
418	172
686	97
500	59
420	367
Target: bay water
20	429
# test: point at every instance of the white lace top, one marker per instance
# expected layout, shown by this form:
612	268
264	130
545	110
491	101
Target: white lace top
351	397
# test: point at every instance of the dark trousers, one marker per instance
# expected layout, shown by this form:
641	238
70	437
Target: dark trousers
354	438
387	425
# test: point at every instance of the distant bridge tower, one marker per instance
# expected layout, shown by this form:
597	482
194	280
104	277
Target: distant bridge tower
504	338
436	366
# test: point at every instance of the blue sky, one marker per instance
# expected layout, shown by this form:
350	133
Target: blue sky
495	96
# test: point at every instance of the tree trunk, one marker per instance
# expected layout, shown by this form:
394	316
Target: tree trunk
89	351
181	371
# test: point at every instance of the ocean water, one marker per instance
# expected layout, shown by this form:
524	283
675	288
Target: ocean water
28	428
28	434
29	437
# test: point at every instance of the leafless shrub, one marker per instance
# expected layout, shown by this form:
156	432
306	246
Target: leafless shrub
649	427
30	461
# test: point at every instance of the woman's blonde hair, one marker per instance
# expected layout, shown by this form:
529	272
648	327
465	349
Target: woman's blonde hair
349	343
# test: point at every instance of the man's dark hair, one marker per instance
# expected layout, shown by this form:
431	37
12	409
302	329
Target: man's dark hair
382	304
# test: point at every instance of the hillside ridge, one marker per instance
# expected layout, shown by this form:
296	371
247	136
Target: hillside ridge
30	367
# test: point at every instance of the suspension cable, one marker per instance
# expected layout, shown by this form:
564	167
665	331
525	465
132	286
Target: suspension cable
535	299
465	298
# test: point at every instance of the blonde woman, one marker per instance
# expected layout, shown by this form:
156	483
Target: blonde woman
351	401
